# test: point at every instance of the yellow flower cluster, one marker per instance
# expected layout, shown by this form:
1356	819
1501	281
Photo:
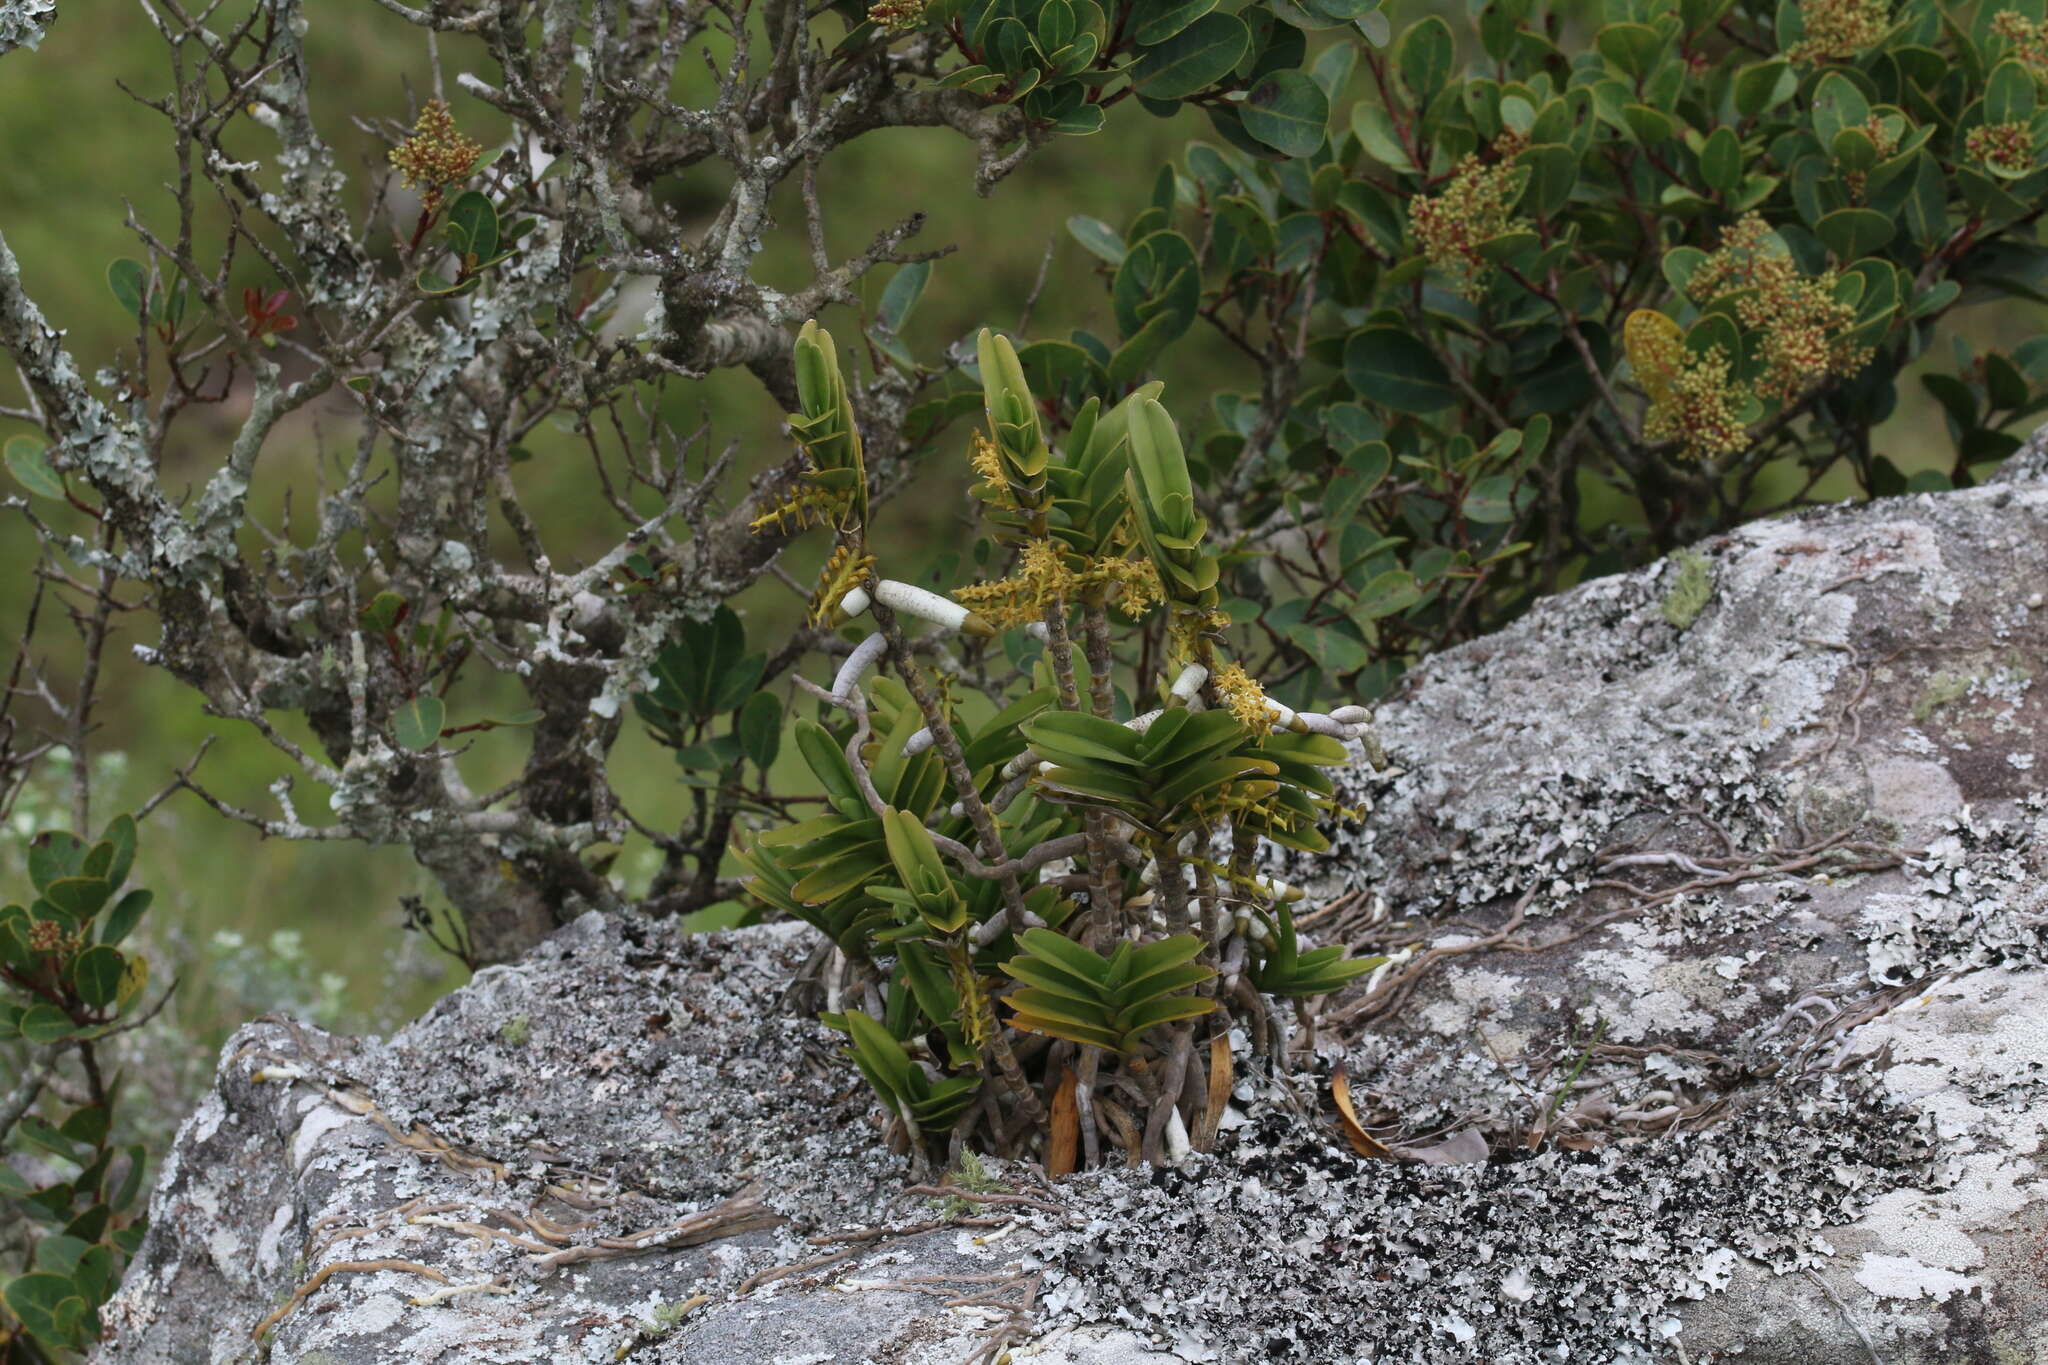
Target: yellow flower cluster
1885	140
897	14
1244	698
843	572
1839	30
2029	38
1136	582
807	506
435	156
1044	576
1474	206
993	488
1699	405
1796	317
2007	147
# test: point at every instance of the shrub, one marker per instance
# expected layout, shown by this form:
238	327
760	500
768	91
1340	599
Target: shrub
1571	287
67	1189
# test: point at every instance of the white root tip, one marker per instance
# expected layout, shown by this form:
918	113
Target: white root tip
864	656
1284	716
855	602
1177	1145
912	600
1190	681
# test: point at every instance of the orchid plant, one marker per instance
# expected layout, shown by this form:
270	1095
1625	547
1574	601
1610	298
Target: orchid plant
1043	902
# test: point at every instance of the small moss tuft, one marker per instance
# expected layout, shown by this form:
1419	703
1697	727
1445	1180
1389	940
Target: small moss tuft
1690	591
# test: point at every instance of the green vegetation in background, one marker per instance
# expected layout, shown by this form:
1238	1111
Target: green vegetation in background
63	202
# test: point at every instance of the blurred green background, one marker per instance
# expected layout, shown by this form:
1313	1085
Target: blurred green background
79	155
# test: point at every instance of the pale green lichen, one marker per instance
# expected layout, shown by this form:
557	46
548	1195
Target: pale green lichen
516	1031
1946	688
972	1176
1942	689
1691	589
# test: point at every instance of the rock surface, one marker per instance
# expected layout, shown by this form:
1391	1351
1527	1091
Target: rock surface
1727	938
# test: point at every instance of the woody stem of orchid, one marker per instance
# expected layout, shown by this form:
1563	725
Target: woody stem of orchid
1084	1105
1102	873
1167	1099
1060	649
1173	884
955	759
1105	882
996	1044
1095	630
1209	900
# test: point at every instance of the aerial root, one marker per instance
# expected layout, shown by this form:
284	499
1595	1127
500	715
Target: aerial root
332	1268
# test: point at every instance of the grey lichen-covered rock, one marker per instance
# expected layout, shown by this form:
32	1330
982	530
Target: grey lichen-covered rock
1721	931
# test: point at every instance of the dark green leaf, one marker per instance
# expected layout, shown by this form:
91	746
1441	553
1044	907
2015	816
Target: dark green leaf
1427	52
900	298
1333	68
2009	93
760	729
80	898
44	1024
120	833
1721	160
49	1306
473	226
1389	366
130	282
1852	234
1634	48
1496	498
97	975
1164	19
417	724
1158	278
122	919
28	460
1375	130
1837	104
1288	112
1193	59
435	283
1331	648
52	854
1098	237
1954	396
1390	592
2008	389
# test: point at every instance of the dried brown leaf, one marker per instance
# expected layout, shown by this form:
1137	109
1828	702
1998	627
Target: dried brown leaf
1219	1093
1362	1142
1466	1147
1063	1144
